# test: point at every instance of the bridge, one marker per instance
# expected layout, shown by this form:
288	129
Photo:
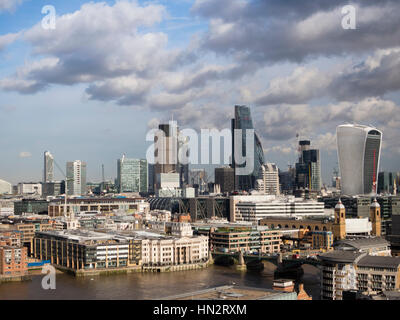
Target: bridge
282	262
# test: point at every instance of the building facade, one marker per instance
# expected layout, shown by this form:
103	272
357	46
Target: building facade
225	178
104	205
243	121
359	149
235	240
132	175
76	178
48	167
269	182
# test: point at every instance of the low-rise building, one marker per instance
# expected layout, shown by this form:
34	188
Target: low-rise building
322	240
247	239
103	205
13	260
86	250
344	270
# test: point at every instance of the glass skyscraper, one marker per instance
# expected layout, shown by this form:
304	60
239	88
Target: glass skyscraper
132	175
244	121
359	149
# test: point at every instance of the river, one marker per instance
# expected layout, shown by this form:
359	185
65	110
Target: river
143	286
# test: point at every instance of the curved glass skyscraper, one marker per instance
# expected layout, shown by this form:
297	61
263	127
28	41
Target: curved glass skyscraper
244	121
359	150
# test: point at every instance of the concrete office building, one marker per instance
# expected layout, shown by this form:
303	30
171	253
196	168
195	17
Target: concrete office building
168	142
29	188
253	208
48	168
359	150
246	239
269	182
56	207
53	189
132	175
76	175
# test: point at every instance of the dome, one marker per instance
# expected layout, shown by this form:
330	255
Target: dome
375	204
340	205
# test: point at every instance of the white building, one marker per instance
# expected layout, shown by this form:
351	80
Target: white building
359	150
33	188
269	182
173	251
358	226
5	187
254	208
76	175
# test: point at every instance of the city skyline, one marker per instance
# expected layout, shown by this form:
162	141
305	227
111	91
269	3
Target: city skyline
50	91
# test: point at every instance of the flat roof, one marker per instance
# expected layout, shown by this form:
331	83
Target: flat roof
378	261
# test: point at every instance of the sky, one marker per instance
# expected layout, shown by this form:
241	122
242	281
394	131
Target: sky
92	87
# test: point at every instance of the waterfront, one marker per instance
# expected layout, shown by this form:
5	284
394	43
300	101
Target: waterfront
137	286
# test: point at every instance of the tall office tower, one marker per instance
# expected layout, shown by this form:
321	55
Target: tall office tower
359	150
76	176
269	182
166	150
132	175
48	172
166	153
308	168
225	178
244	121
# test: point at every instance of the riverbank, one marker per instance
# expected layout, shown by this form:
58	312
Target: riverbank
134	269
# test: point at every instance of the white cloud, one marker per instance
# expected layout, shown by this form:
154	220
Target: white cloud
9	5
25	154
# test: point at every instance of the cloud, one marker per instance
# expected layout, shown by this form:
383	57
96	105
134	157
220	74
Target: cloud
7	39
25	154
96	43
270	31
9	5
373	77
283	122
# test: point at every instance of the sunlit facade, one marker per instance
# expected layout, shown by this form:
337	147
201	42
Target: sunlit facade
359	150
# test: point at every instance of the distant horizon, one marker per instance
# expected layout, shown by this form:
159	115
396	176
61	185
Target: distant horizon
302	68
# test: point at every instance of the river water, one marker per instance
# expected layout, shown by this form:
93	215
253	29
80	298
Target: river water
140	286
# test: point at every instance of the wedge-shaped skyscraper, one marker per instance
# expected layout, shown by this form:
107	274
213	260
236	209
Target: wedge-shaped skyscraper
359	150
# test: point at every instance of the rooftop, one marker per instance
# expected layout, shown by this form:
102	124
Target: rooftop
363	243
377	261
341	256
